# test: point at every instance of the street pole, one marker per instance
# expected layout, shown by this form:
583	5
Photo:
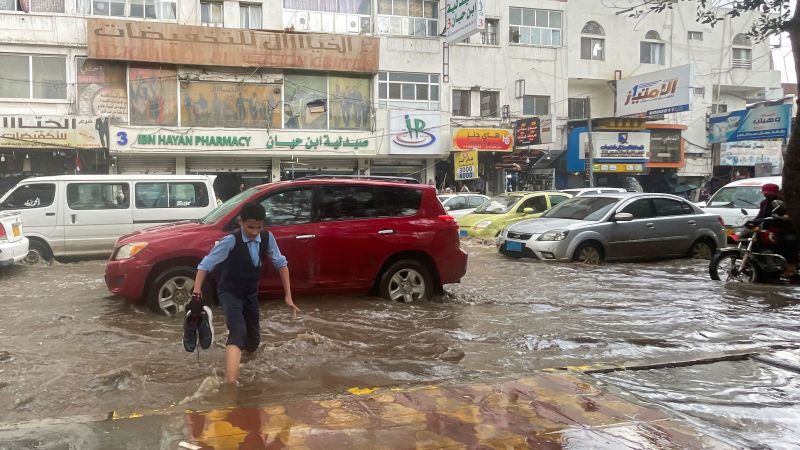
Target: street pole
589	171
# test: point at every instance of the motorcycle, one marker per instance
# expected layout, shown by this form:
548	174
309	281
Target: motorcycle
752	260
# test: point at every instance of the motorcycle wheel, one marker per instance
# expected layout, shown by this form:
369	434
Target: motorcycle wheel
728	267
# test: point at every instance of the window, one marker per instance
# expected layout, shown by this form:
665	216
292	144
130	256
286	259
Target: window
490	104
28	196
171	195
328	16
556	199
28	76
461	103
288	207
211	14
593	46
456	203
742	58
537	203
51	6
699	91
535	27
719	108
475	201
250	16
670	207
140	9
640	209
577	108
651	53
535	105
90	196
408	17
742	40
357	202
408	90
695	36
489	34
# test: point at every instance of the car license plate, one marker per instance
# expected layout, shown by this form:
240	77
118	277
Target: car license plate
15	230
513	246
462	233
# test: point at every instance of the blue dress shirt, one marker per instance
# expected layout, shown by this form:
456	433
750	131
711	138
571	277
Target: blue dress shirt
223	248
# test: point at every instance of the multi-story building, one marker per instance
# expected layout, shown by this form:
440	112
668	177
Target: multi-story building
275	89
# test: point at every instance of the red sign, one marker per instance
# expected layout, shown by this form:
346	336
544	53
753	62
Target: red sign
485	139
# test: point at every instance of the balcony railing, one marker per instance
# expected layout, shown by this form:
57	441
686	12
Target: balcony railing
742	63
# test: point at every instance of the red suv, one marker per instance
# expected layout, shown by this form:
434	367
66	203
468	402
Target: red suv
339	235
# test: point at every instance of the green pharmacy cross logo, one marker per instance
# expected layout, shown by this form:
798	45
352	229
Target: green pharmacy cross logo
415	135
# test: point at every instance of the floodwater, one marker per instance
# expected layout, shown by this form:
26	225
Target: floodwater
67	348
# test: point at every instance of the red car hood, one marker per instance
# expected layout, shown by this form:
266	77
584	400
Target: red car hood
158	232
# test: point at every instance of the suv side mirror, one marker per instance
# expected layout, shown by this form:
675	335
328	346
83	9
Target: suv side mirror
528	211
623	217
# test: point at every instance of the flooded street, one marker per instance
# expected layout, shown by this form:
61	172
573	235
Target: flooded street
67	348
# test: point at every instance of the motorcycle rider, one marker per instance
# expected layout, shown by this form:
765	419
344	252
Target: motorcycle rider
787	245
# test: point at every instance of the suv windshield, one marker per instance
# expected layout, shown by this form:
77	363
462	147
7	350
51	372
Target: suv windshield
498	205
582	208
736	197
223	209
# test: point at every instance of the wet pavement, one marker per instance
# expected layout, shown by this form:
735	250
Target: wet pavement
69	349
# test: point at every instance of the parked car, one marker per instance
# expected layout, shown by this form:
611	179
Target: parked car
461	204
339	236
729	201
595	190
594	228
488	219
13	243
82	215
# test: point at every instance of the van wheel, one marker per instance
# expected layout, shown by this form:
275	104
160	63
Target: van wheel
406	281
38	253
172	290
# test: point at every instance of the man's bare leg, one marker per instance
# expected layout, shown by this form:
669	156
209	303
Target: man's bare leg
233	356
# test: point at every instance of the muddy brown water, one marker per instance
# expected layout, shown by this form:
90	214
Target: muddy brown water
68	348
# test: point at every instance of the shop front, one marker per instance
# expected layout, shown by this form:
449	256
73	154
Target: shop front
616	158
477	160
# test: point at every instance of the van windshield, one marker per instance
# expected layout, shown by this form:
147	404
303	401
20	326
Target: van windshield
223	209
748	197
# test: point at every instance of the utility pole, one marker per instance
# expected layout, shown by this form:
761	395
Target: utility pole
589	171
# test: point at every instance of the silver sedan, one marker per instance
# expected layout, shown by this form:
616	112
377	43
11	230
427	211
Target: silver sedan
593	228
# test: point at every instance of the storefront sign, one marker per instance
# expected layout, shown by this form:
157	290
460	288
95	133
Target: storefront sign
766	122
54	132
199	140
656	93
617	146
617	168
170	43
415	132
463	18
484	139
751	153
533	131
466	165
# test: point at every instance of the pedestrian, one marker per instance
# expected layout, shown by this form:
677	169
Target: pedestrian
240	256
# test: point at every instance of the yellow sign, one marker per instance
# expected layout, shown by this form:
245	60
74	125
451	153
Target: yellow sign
617	168
466	165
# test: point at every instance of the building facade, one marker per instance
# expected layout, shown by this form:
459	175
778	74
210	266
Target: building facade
269	90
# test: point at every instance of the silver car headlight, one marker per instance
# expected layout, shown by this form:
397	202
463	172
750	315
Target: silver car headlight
554	235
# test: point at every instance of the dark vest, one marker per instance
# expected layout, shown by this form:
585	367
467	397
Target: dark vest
239	276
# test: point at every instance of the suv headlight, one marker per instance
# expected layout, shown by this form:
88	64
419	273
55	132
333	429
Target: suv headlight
483	224
555	235
128	251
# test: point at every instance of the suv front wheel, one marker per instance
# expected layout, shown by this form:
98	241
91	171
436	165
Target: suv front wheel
406	281
172	291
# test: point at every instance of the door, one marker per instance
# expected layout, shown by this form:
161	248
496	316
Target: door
96	214
290	219
39	208
676	226
636	238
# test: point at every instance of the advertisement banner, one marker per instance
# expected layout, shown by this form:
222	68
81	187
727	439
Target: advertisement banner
102	89
466	165
54	132
483	139
533	131
161	139
621	146
751	153
463	18
415	132
766	122
617	168
230	105
656	93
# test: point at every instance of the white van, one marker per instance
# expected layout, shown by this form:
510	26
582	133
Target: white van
729	201
83	215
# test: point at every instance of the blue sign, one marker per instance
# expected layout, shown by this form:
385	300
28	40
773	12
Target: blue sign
767	122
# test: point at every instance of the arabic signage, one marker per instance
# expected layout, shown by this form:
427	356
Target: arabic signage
621	146
162	139
652	94
485	139
415	132
751	153
101	89
208	46
766	122
463	18
466	165
533	131
617	168
53	132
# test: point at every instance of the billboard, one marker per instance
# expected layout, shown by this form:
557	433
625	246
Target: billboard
486	139
621	146
53	132
766	122
752	153
533	131
466	165
656	93
463	18
415	132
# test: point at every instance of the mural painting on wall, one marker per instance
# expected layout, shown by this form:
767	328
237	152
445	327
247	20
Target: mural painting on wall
305	101
153	96
230	105
101	89
350	103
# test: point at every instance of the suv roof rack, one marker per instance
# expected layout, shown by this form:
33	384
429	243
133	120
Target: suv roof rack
360	177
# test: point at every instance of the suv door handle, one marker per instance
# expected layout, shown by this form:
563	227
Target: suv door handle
303	237
49	214
386	232
692	222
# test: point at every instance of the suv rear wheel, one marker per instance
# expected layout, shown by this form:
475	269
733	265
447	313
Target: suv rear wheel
406	281
172	290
